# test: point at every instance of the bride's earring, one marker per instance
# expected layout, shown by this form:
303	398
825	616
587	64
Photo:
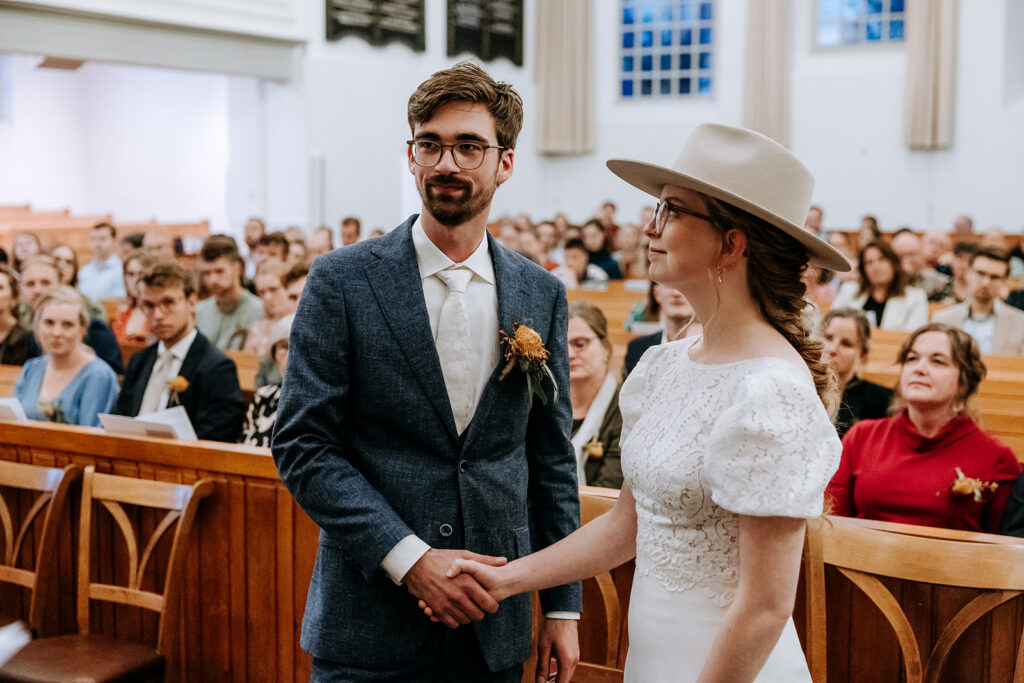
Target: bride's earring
720	271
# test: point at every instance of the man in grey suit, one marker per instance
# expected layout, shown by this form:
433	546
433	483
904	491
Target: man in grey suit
399	436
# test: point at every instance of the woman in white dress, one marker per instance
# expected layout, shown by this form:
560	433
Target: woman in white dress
726	444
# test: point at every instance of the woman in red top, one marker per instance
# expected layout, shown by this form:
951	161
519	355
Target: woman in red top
929	464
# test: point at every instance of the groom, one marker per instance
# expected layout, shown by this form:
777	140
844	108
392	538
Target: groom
397	435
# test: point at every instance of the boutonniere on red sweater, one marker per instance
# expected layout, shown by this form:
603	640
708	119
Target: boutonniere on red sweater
526	350
176	386
964	486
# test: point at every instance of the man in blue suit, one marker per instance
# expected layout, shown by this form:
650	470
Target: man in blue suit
399	435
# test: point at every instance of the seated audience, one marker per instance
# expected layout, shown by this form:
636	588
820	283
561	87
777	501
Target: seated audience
676	318
15	339
813	221
996	327
68	383
937	251
578	271
227	314
847	337
255	228
67	272
910	250
841	242
272	246
262	412
350	229
211	395
297	253
963	225
993	239
293	282
547	234
130	324
320	242
956	291
818	281
929	464
102	278
644	316
882	291
596	242
594	394
26	245
630	252
1016	299
276	305
531	247
868	233
129	243
39	276
158	244
1017	258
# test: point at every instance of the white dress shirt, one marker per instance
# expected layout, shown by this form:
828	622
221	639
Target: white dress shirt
102	279
482	304
983	329
178	351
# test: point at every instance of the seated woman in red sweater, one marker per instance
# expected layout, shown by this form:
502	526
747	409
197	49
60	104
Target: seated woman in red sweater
929	463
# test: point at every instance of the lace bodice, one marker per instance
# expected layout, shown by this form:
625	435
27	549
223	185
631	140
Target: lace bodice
702	444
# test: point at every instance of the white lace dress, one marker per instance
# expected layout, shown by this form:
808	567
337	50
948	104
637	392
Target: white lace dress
701	445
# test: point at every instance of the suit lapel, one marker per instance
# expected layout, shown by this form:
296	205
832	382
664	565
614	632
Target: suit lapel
395	280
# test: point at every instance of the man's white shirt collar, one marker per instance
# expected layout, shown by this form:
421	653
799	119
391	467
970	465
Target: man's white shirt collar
179	350
432	260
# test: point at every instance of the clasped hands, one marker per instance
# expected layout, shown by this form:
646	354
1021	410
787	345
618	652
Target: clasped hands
449	589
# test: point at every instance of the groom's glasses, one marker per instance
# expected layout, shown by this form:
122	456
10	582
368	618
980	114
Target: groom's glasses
467	155
667	210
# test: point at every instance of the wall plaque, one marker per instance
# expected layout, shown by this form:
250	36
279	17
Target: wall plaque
486	28
378	22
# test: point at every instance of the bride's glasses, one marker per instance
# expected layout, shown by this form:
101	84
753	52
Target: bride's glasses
669	210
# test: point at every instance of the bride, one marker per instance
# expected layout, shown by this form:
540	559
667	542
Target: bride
726	442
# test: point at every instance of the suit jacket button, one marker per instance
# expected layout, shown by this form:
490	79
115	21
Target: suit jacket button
463	466
446	530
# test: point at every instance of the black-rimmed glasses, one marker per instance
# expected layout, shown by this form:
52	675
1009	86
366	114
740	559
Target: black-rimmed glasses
666	210
467	155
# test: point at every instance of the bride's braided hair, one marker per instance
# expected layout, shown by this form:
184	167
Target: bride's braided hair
775	262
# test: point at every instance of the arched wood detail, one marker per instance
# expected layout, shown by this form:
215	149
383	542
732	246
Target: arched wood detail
38	506
169	519
612	616
132	546
890	608
8	528
970	613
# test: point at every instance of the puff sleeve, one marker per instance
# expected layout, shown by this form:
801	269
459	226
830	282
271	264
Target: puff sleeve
773	451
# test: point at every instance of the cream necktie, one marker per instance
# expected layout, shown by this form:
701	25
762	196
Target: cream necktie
453	347
157	383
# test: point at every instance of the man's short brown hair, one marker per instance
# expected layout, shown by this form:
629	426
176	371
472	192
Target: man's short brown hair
220	246
269	239
351	220
106	226
295	273
467	82
994	255
168	274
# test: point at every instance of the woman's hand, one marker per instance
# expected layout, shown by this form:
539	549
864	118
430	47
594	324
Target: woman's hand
495	580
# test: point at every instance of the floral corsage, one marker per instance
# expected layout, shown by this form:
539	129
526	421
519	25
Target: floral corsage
526	350
969	486
52	411
176	386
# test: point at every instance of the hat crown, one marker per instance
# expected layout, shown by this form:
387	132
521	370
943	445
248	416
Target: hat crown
747	165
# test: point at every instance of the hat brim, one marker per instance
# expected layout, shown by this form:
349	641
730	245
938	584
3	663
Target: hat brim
652	178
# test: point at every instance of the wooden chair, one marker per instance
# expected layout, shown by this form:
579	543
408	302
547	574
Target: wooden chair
867	552
52	485
95	658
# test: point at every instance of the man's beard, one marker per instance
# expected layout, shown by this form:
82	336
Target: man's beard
450	211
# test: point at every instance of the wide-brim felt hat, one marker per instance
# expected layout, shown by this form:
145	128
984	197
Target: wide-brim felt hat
744	169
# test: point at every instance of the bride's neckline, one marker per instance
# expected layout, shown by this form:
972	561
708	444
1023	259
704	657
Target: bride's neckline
690	341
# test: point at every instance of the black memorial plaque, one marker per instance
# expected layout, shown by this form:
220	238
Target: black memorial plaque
486	28
378	22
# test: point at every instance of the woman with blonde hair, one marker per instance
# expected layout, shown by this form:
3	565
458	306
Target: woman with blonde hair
726	441
68	383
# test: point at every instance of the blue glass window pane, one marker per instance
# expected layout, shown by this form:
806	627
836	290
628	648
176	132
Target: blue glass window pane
684	61
850	33
647	15
627	16
705	36
666	62
686	11
895	30
874	6
851	9
627	63
684	86
828	10
874	30
666	86
828	33
685	37
705	60
896	6
627	88
666	13
666	38
704	86
645	86
627	40
646	63
705	10
647	38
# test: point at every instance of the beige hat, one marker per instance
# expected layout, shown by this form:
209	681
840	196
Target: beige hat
746	170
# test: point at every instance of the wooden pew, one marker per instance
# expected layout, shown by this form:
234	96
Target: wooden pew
8	376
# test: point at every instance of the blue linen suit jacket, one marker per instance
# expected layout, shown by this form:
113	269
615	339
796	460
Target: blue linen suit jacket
366	442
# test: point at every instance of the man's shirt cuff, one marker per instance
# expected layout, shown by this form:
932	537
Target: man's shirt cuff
400	559
558	614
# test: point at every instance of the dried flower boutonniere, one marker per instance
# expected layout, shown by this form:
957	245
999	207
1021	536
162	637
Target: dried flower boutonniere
52	411
176	385
969	486
526	350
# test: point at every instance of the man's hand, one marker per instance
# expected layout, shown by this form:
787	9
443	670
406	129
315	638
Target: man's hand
452	601
559	639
